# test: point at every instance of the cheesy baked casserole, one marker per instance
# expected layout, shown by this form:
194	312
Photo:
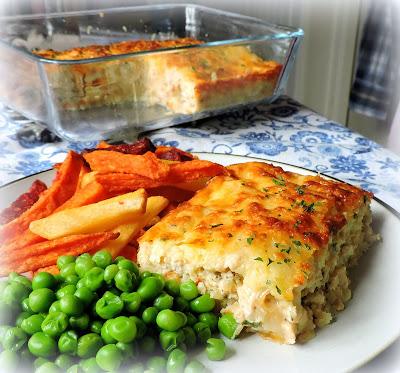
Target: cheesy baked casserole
182	81
273	247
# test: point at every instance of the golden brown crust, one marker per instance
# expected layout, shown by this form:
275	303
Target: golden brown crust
123	47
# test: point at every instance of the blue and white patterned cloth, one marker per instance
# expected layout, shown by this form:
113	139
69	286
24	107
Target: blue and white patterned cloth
285	131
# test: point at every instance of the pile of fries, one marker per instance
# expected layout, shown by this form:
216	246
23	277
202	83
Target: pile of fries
100	199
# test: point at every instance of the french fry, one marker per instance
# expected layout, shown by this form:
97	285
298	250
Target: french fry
90	193
45	254
63	187
147	165
96	217
128	231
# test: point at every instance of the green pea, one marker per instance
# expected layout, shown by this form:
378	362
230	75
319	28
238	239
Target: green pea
9	361
72	279
21	317
88	345
42	345
171	340
105	333
202	304
210	319
181	304
102	258
202	331
63	260
123	280
188	290
190	336
68	270
83	265
216	349
170	320
89	365
55	307
150	288
129	350
43	280
48	367
136	368
129	265
109	358
172	287
14	293
85	295
195	367
65	290
80	322
64	361
25	305
122	329
118	259
176	361
32	324
74	369
39	361
71	305
141	327
227	325
23	281
95	326
191	319
58	278
81	283
132	301
110	272
147	344
156	364
145	274
40	300
94	278
109	306
163	301
55	324
149	315
14	339
68	343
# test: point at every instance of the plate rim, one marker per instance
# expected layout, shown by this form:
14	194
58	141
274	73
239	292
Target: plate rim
376	199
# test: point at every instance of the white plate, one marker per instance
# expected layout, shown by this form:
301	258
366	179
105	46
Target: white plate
369	324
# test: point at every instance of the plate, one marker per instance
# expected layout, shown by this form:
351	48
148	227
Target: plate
368	325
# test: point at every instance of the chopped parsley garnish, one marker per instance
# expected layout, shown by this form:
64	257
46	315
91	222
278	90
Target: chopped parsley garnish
300	190
296	225
279	181
265	190
216	225
268	282
259	259
252	324
250	240
276	244
306	207
308	247
211	240
278	290
269	261
297	242
241	210
287	260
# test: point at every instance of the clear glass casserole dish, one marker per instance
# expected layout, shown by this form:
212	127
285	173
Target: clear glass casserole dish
234	61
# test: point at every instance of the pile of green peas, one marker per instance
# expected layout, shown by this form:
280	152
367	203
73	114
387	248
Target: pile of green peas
100	314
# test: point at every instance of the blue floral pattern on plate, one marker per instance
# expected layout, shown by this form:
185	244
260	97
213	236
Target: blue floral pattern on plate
284	131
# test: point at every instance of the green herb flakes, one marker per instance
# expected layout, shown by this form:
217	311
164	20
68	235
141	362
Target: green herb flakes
297	242
269	261
216	225
278	290
279	181
250	240
300	190
259	259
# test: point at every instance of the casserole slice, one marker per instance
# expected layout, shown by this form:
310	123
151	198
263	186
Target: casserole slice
273	247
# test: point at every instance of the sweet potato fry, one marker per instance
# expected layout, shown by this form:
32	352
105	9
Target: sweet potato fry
90	193
92	218
88	178
63	187
50	269
84	171
128	231
147	165
192	170
26	238
45	254
117	183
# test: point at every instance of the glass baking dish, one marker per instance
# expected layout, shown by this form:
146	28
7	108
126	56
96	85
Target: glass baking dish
121	95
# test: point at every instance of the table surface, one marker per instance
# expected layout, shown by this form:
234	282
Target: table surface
285	131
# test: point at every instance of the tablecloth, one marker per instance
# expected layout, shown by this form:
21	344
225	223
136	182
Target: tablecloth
285	131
